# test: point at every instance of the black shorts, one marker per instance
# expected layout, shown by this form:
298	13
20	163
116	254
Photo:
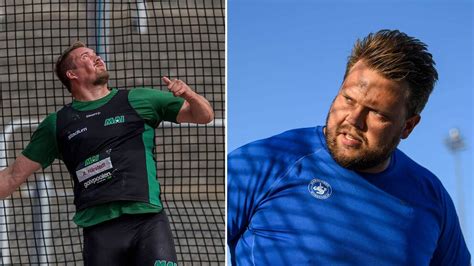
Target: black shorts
131	239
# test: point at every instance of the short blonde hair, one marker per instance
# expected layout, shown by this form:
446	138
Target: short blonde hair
399	57
65	63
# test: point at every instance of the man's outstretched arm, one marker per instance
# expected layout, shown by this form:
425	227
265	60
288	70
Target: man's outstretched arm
195	109
16	174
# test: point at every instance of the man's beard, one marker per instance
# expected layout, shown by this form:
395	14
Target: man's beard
365	159
102	78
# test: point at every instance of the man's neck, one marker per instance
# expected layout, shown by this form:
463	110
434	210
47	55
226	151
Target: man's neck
92	93
377	169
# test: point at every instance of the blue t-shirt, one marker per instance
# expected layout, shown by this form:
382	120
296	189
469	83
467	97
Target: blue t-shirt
290	203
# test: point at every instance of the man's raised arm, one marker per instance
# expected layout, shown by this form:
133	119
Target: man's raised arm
195	109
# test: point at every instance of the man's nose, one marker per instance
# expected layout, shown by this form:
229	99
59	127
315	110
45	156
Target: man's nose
357	117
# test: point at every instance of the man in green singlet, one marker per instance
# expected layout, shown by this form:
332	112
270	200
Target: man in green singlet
105	138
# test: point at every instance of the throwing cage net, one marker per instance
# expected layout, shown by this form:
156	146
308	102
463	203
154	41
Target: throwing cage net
140	41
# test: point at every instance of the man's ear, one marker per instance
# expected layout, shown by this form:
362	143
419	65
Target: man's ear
410	124
70	74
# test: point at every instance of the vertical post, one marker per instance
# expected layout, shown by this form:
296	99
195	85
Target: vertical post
455	144
41	219
2	19
139	18
5	257
102	15
459	182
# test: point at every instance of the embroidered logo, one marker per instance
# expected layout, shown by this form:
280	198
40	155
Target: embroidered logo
165	263
93	114
77	132
114	120
320	189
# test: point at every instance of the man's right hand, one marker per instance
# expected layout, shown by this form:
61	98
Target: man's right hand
16	174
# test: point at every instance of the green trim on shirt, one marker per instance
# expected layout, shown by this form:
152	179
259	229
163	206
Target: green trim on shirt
154	186
91	105
153	106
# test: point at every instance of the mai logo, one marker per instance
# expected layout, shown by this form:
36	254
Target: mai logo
91	160
114	120
165	263
320	189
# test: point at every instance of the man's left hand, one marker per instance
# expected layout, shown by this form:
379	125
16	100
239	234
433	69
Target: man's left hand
179	88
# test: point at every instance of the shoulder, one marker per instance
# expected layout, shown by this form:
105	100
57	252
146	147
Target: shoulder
50	120
427	182
289	143
276	152
151	97
46	129
451	248
139	94
145	93
140	90
414	168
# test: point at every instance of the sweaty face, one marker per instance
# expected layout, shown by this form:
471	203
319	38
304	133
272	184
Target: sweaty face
367	119
90	68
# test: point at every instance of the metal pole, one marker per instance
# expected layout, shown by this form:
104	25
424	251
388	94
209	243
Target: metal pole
139	17
102	28
460	190
455	144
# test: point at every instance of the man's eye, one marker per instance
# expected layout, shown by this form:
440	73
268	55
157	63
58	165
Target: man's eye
348	99
380	116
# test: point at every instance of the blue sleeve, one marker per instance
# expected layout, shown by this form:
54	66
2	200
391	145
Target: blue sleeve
244	189
252	170
451	248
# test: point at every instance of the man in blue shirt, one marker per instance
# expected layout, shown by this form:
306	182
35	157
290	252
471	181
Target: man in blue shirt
343	194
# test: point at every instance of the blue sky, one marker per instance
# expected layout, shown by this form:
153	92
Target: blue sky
286	60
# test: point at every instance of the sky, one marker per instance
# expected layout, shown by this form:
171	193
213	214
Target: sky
286	60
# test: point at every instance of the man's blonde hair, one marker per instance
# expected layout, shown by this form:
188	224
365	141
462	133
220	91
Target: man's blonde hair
65	63
399	57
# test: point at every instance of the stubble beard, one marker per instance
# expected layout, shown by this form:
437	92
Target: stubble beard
102	78
365	158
